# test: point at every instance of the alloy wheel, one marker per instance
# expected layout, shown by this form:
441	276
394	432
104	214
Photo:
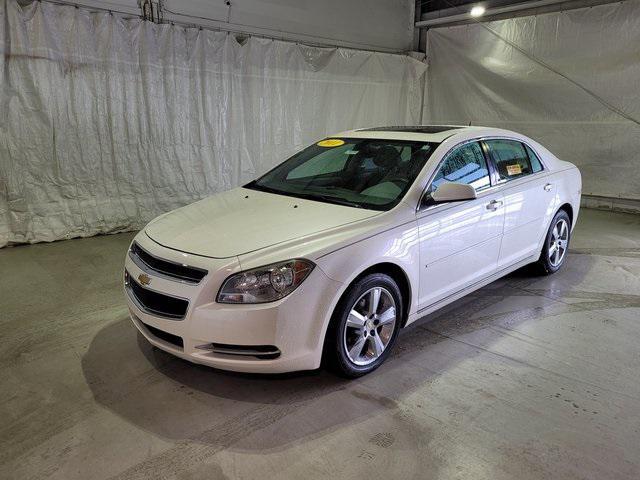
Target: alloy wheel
559	242
370	326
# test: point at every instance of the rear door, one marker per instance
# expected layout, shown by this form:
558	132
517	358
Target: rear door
459	241
527	196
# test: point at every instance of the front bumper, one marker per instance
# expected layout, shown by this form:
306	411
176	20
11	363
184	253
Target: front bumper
232	337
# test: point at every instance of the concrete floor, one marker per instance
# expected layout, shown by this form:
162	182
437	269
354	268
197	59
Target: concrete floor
528	378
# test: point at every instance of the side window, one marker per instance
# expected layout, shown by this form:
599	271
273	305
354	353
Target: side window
536	165
511	159
465	164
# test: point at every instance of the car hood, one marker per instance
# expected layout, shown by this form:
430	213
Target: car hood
241	220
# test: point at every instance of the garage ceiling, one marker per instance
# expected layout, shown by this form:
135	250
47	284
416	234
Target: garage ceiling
435	5
388	26
436	13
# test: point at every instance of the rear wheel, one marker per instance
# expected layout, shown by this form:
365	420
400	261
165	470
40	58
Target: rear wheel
556	244
364	326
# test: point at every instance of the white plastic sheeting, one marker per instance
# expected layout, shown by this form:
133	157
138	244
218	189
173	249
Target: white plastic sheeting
570	80
108	122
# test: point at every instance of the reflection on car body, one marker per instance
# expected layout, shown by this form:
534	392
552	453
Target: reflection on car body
330	253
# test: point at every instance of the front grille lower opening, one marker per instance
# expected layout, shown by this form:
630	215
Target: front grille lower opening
166	336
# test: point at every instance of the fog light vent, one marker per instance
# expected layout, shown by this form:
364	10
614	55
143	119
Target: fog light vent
263	352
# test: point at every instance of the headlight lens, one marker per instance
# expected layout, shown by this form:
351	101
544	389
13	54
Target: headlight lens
265	284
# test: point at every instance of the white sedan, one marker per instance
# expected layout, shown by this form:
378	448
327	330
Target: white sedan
324	258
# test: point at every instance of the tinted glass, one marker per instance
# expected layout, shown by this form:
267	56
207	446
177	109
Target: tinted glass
364	173
511	158
331	160
465	164
536	165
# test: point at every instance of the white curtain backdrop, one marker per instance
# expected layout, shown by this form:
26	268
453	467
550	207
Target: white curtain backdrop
106	122
570	80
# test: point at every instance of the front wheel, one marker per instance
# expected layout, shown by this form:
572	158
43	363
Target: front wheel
556	244
364	326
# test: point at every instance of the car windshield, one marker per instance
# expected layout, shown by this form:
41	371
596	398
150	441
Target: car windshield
358	172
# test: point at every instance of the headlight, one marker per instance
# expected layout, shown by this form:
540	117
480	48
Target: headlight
265	284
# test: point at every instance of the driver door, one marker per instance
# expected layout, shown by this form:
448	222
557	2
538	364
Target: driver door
459	241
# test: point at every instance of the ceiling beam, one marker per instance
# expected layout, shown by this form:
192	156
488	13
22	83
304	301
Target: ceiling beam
490	12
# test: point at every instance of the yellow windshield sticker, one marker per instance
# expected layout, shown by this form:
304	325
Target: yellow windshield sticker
514	169
330	142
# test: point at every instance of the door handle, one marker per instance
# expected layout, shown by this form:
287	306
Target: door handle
494	205
547	187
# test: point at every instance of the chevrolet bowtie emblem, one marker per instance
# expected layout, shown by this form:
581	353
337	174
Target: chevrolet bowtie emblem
144	279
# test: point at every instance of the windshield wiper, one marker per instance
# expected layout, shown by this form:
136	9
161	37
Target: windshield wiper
254	186
306	196
324	198
331	199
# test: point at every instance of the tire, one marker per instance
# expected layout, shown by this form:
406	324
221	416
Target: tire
556	245
358	340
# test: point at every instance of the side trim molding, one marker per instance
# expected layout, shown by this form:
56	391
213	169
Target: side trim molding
471	288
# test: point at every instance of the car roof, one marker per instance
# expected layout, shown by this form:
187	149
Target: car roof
429	129
422	133
447	135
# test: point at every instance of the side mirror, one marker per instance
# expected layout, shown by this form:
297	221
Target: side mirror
453	192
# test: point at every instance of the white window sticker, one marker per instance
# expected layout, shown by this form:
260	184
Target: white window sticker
514	169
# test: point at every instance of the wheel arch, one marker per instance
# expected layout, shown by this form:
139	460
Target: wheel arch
569	209
565	207
397	273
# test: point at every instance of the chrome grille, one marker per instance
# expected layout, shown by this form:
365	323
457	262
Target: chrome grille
165	268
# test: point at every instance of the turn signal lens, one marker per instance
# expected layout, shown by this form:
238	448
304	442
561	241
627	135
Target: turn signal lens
265	284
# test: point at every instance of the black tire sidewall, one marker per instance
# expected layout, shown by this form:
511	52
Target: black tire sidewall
338	359
544	255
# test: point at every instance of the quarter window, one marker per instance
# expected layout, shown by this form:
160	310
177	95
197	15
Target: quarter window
511	159
465	164
536	165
